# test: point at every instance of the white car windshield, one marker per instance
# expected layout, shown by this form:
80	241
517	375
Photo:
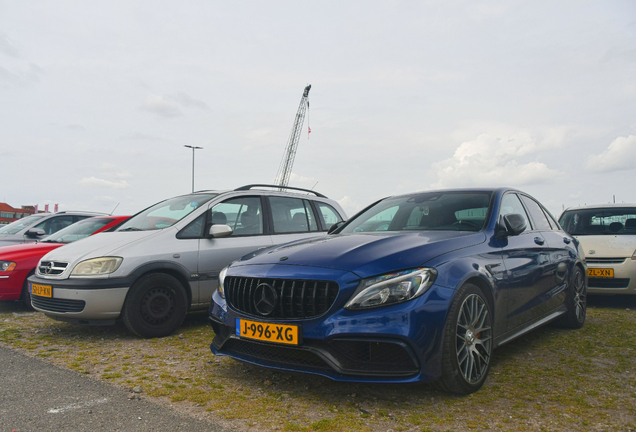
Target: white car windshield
166	213
600	221
20	224
441	211
78	230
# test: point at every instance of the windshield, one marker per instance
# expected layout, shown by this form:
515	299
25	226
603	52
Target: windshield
78	230
451	211
20	224
166	213
600	221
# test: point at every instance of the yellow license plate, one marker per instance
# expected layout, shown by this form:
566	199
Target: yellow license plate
278	333
600	273
42	290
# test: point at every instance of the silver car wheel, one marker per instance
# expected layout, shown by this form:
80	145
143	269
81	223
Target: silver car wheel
474	338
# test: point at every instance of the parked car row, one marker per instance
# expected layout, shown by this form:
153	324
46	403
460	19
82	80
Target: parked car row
416	287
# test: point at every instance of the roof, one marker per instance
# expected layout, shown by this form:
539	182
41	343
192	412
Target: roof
601	206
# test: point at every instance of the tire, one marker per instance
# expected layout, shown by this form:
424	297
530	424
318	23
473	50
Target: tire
25	295
576	302
467	345
155	306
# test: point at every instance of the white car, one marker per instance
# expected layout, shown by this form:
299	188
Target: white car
608	237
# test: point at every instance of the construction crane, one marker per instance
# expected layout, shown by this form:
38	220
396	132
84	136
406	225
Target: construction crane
284	171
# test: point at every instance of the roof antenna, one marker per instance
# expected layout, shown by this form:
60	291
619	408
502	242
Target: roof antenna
111	213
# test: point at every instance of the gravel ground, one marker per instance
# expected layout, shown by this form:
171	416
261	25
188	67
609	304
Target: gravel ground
552	379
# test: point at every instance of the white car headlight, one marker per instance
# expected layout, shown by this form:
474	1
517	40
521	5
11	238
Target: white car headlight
222	274
97	266
392	288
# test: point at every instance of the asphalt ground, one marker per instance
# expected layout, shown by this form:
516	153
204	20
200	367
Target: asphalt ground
38	396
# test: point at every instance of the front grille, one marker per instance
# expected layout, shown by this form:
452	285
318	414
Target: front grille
57	304
294	298
607	282
605	260
51	268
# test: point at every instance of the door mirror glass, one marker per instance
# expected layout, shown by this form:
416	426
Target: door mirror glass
219	231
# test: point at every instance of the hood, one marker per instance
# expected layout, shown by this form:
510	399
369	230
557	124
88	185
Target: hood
607	246
99	245
367	254
15	252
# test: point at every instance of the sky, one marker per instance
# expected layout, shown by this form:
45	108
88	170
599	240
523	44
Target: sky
98	99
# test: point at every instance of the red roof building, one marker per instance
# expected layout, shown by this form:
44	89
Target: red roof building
9	214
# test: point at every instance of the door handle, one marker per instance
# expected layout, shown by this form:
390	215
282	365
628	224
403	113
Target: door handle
539	240
566	240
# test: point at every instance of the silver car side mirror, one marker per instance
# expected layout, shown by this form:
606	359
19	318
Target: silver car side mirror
220	230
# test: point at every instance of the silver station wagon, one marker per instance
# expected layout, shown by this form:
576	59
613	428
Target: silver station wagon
165	260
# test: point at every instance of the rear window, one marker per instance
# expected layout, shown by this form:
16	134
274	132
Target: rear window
600	221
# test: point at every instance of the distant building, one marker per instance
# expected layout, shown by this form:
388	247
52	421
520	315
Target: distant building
9	214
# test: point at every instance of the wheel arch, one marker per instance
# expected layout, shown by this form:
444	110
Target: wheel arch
168	268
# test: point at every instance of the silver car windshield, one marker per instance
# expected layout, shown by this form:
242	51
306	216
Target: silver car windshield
441	211
20	224
166	213
599	221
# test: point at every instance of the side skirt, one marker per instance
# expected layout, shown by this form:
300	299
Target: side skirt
513	334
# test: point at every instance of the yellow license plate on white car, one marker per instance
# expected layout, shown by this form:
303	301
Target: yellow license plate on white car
600	273
277	333
42	290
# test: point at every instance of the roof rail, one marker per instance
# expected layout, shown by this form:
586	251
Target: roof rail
248	187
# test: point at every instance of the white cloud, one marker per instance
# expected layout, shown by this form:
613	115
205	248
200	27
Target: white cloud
188	101
7	47
349	205
161	107
97	182
619	155
493	161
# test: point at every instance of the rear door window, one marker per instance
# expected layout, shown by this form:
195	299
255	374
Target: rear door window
292	215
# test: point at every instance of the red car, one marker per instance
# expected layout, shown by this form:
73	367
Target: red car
18	262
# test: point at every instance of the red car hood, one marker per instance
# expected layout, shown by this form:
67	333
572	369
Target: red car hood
26	250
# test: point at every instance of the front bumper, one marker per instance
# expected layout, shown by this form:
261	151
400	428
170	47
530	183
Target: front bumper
11	284
623	282
81	303
393	344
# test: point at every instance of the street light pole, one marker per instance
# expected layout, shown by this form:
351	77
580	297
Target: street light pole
193	149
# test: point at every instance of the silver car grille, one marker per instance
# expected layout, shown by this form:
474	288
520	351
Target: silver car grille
51	268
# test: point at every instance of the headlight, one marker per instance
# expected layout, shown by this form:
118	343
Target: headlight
97	266
7	266
392	288
221	280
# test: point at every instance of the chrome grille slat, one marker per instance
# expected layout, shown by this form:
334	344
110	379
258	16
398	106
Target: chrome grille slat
605	260
51	268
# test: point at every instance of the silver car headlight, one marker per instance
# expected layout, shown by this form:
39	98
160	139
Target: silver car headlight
97	266
392	288
222	274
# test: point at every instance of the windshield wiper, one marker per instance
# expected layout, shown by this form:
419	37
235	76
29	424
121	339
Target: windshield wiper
130	229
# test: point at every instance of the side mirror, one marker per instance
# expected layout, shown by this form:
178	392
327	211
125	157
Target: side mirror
335	226
35	232
514	223
220	231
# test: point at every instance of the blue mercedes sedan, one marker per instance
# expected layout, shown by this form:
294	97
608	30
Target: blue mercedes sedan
414	288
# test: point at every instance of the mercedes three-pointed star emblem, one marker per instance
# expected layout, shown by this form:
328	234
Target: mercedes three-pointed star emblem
265	299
